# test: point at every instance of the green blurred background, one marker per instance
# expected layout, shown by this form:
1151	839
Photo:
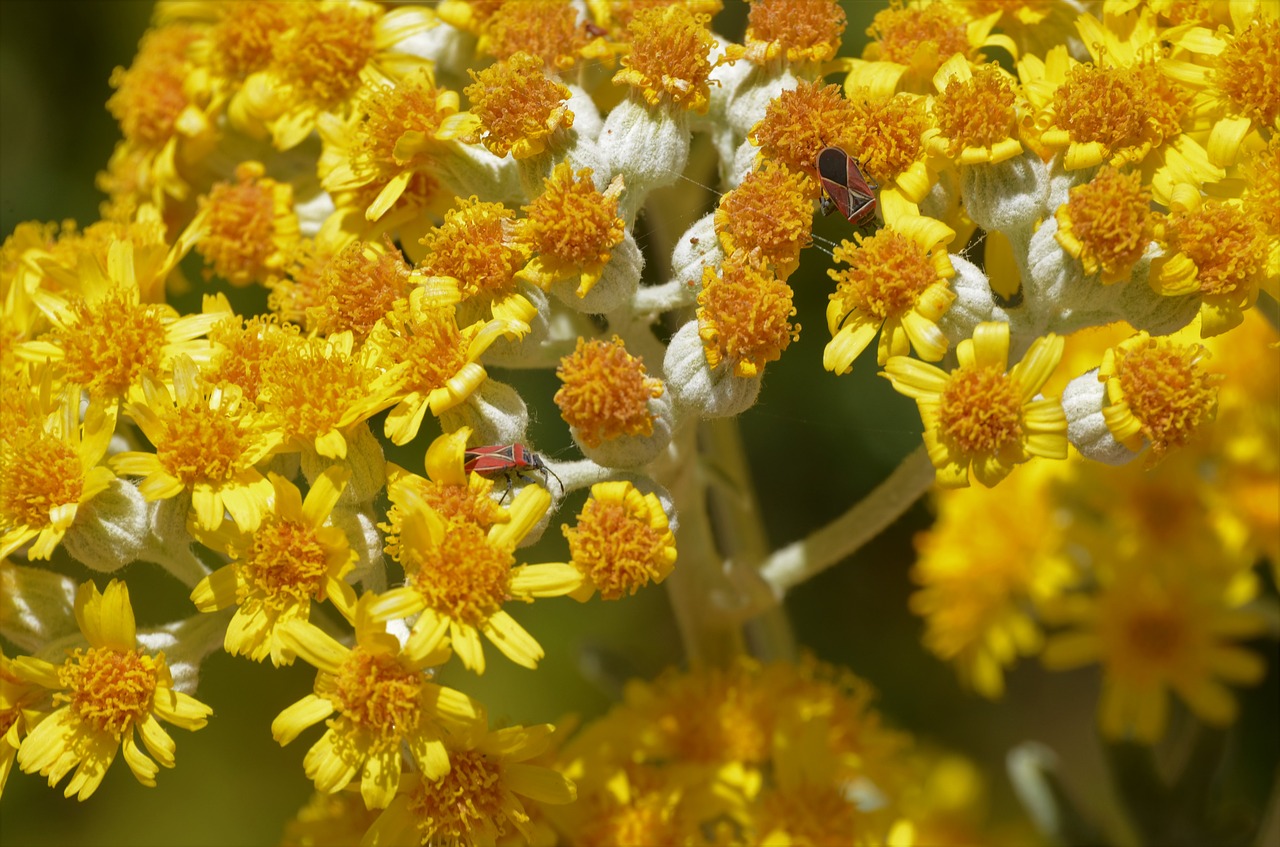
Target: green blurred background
817	444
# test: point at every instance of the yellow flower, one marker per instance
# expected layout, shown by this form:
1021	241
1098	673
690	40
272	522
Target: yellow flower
1107	224
910	43
20	711
621	542
393	136
110	690
375	698
571	228
458	577
1214	249
888	135
250	227
106	338
982	414
547	29
1233	71
744	315
1153	632
435	361
988	554
517	107
896	284
669	62
606	392
975	112
798	32
356	288
478	800
330	51
49	469
1158	391
294	557
205	445
799	122
771	210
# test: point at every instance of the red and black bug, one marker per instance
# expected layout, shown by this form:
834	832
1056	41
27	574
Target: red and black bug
845	187
507	461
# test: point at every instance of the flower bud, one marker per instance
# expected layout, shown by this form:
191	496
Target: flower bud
109	530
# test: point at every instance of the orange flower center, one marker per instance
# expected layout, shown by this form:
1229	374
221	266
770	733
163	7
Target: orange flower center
980	411
617	547
112	690
38	473
111	344
286	564
323	56
887	273
1223	242
744	315
515	100
1247	74
1167	389
606	391
977	112
378	694
465	577
770	211
466	800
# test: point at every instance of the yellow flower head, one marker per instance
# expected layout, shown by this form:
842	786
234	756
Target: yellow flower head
206	446
477	246
1158	391
888	136
433	359
294	557
356	289
771	210
546	29
606	392
478	800
976	581
1107	224
799	122
459	576
379	700
1214	249
49	469
911	41
518	106
110	690
1261	202
250	228
1153	633
805	33
384	150
744	314
621	542
572	229
984	414
669	60
975	112
896	284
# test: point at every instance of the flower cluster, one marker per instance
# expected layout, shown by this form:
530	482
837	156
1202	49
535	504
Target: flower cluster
1066	214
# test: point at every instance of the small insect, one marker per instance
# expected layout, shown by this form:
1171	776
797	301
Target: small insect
845	187
507	461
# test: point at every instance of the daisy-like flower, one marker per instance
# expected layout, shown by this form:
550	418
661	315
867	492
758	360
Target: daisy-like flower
318	390
106	338
771	210
1156	632
547	29
1158	393
804	33
1234	75
1211	248
206	445
107	691
293	558
458	577
669	62
982	414
477	246
1107	224
975	585
250	227
20	711
621	542
744	314
606	392
436	360
162	125
975	113
478	800
571	228
912	41
393	134
329	52
517	106
889	137
356	289
799	122
376	698
896	284
49	470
